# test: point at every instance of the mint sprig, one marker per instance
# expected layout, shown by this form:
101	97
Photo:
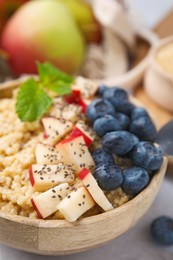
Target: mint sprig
49	73
32	100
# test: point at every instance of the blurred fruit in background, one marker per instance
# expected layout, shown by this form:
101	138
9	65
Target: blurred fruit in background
49	30
7	8
85	19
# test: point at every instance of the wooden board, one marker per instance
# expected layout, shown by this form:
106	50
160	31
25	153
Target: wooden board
164	29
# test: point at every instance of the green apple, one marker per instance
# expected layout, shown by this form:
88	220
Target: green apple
85	19
43	31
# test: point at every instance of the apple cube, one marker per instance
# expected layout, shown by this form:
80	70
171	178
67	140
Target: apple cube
77	152
46	203
55	129
83	129
76	204
67	111
96	192
46	154
44	177
73	97
86	87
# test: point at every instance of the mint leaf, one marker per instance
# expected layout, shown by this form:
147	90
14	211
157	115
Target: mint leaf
48	74
32	102
60	87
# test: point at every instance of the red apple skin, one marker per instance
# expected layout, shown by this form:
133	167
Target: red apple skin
31	176
77	132
45	136
36	209
30	35
82	104
73	97
83	173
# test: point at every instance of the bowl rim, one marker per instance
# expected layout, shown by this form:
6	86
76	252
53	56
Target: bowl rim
163	72
87	220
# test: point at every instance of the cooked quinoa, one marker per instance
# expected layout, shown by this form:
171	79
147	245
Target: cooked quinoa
18	141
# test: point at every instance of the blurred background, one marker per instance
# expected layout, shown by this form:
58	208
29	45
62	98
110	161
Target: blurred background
96	39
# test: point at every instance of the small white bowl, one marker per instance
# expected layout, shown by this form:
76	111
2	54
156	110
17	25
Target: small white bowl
158	82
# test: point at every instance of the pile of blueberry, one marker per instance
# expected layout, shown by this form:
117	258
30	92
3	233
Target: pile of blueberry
126	131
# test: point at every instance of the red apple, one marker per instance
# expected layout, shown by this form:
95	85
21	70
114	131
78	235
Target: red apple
44	177
7	8
93	188
46	203
43	31
81	129
55	129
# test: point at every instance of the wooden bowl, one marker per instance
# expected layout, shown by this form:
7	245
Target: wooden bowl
158	82
59	237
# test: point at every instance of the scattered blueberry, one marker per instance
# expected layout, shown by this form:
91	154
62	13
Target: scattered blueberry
162	230
119	142
105	124
108	176
138	112
135	180
119	98
101	90
99	108
100	156
147	155
144	128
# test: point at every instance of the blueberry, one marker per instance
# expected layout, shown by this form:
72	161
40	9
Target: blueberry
144	128
108	176
123	120
106	124
135	180
162	230
138	112
147	155
100	156
101	90
119	142
99	108
119	98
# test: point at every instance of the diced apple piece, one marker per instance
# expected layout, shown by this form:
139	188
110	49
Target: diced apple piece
96	192
84	103
86	87
46	203
44	177
55	129
83	129
46	154
73	97
77	152
76	204
67	111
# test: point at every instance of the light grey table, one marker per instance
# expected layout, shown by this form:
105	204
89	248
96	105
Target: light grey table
136	244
